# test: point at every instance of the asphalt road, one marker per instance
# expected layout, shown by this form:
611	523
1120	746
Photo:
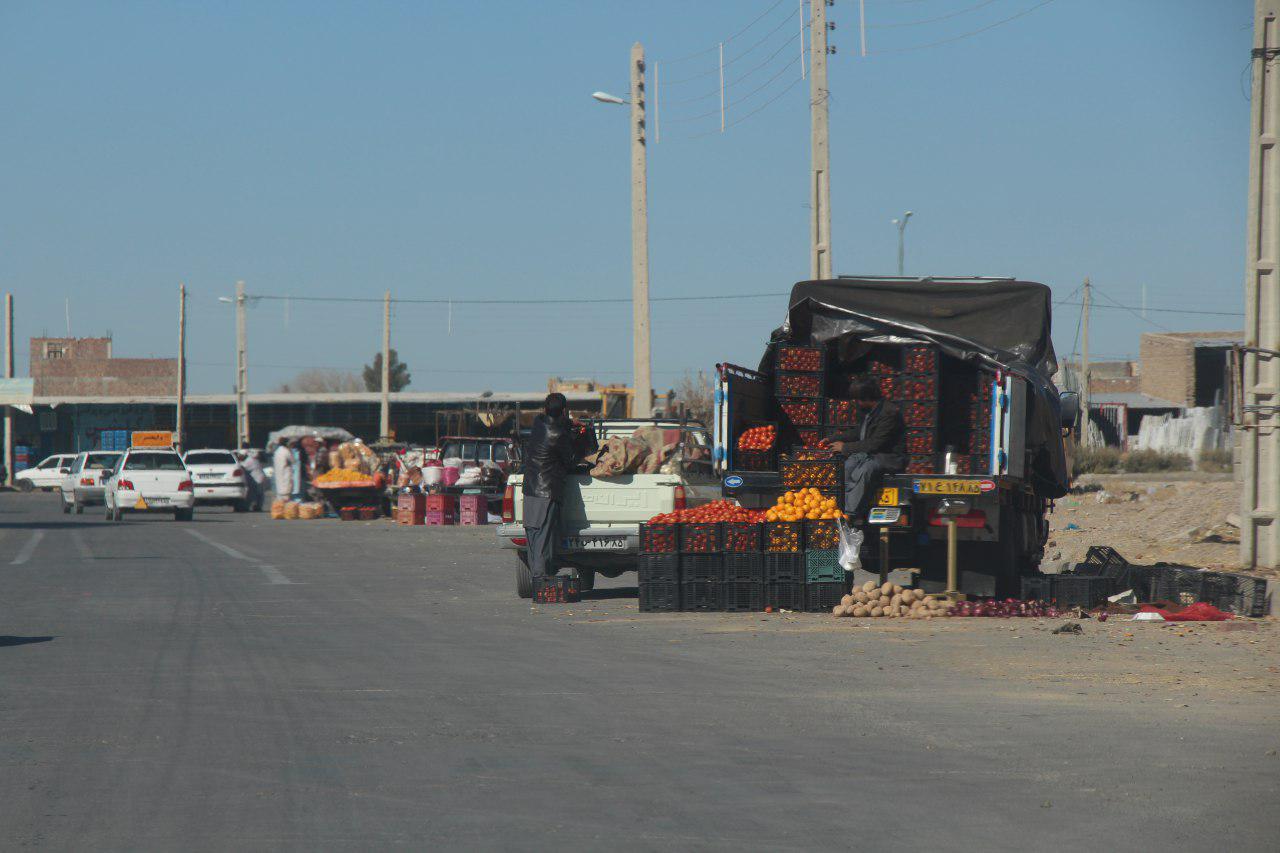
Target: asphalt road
235	683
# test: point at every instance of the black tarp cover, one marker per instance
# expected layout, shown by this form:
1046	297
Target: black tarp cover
1000	322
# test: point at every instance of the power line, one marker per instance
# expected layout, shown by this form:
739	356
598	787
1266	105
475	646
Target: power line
978	31
274	297
716	47
946	17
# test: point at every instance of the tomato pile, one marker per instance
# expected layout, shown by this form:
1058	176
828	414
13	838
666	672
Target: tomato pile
805	359
699	538
802	412
741	537
758	438
811	439
715	511
658	538
799	384
881	366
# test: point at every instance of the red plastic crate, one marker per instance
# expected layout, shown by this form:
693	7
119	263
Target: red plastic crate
411	509
442	503
802	412
920	441
917	386
474	503
800	359
473	517
920	414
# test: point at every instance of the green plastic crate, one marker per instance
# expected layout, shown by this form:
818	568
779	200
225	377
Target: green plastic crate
822	567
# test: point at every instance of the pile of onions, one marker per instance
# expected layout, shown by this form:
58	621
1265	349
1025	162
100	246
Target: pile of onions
1004	609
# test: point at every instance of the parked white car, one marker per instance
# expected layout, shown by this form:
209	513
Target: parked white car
84	485
149	480
47	475
217	478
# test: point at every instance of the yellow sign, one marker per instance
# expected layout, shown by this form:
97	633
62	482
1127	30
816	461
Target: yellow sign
888	497
948	487
159	438
141	504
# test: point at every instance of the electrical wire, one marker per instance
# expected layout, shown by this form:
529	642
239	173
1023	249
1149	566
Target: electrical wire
716	69
716	46
946	17
944	41
605	300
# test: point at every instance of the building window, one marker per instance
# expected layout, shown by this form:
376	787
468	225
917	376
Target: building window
54	350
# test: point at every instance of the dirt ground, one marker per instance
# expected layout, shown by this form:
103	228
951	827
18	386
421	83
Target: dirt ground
1179	519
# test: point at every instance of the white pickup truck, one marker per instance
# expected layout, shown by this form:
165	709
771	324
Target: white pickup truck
601	516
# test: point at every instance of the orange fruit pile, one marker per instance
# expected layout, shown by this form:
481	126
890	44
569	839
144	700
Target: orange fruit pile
803	504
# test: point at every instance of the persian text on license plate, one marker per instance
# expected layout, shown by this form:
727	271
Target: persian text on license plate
948	487
595	543
158	501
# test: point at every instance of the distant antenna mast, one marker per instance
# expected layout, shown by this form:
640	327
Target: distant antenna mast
68	309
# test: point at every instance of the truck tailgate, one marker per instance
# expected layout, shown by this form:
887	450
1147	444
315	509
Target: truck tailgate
588	501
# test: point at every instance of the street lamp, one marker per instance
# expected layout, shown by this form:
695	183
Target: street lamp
642	399
902	229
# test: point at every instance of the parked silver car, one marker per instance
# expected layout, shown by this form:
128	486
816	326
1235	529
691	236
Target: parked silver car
83	486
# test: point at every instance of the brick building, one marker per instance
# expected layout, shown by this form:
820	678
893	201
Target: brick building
84	367
1187	368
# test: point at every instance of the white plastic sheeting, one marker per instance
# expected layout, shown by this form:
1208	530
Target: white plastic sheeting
1198	429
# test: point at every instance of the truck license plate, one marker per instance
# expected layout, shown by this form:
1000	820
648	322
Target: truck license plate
948	487
595	543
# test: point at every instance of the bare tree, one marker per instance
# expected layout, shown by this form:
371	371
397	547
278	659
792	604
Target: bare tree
694	392
319	381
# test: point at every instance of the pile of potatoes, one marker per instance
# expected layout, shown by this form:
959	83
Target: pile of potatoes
872	599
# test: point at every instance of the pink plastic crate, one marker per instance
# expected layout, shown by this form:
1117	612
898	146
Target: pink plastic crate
437	518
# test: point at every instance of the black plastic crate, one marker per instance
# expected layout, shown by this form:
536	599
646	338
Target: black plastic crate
922	463
780	568
1179	584
658	567
755	460
920	358
659	538
790	384
917	386
784	537
741	537
1242	595
802	412
920	414
659	596
921	441
976	441
784	595
742	596
841	412
743	568
821	534
888	386
800	359
556	589
700	538
701	567
699	595
821	597
1037	587
806	474
1081	590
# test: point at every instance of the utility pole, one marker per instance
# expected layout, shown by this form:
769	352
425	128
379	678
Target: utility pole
242	371
902	240
1084	364
179	419
642	399
384	428
8	374
820	180
1260	415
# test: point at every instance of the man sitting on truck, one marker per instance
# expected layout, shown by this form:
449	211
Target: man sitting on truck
549	456
875	447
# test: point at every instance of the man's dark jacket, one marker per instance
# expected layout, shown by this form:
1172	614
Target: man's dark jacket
883	436
548	457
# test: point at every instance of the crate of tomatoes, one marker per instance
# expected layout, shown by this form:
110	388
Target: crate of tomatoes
757	448
800	359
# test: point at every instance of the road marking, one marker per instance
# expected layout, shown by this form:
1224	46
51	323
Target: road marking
273	574
226	549
28	549
81	545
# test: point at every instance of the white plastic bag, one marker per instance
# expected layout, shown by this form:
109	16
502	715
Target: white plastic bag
850	545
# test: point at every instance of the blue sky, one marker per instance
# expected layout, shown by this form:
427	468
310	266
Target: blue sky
450	150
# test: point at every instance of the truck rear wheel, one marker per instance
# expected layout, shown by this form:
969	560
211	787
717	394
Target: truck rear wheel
524	579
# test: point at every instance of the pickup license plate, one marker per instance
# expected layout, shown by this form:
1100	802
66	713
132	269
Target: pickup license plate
595	543
888	497
948	487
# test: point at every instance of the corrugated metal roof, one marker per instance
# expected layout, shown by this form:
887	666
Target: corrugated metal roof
439	397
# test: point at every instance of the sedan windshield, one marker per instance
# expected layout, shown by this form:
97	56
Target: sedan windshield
210	457
154	462
101	461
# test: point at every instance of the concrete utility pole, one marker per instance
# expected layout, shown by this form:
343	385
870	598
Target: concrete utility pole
179	418
1260	417
1084	364
8	374
242	371
384	428
642	401
820	180
902	240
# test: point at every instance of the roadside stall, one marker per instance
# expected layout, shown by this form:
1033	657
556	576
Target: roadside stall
352	487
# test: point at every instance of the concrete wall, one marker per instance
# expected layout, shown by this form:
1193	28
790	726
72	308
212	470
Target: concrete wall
1168	368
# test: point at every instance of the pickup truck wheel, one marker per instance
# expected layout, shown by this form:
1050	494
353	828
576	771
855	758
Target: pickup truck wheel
77	506
586	579
524	579
25	486
182	514
240	506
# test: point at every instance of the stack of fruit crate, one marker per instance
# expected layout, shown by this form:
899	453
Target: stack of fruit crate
967	397
798	384
917	391
825	580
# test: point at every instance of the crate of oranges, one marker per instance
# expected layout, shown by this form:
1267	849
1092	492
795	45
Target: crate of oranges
784	536
802	504
816	473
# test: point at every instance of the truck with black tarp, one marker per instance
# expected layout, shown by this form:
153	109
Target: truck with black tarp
968	362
